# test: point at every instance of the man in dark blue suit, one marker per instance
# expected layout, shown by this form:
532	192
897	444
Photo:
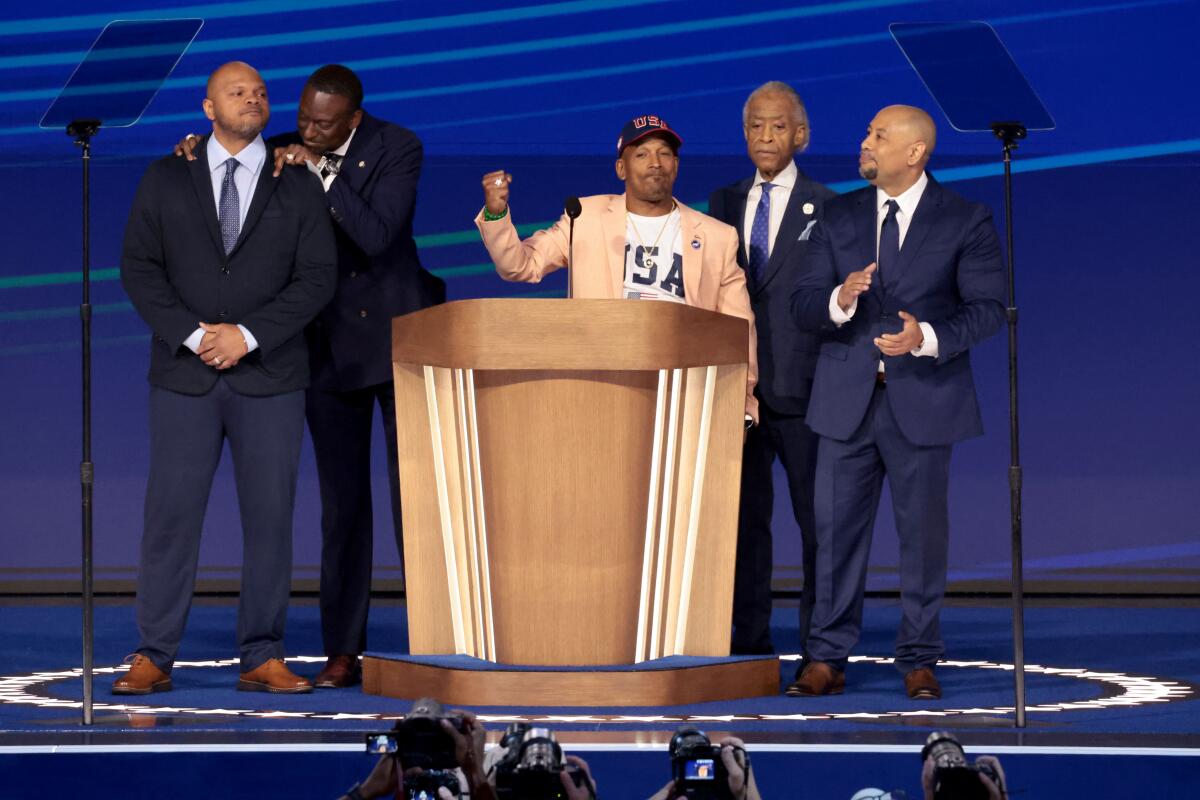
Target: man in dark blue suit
226	263
369	169
774	213
904	276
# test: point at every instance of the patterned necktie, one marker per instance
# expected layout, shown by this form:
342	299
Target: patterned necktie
889	241
228	212
333	164
760	235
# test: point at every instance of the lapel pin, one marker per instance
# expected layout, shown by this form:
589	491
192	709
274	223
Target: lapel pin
809	208
362	164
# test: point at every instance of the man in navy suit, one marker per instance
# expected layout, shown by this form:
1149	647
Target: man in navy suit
226	263
774	213
904	276
369	169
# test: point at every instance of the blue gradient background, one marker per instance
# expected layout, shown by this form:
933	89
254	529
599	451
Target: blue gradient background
1107	265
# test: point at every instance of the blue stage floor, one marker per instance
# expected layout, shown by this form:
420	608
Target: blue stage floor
1119	678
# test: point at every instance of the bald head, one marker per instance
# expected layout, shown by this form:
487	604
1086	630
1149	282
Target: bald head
916	125
236	102
897	147
231	71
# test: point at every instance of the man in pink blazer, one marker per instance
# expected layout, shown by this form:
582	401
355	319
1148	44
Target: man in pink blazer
641	245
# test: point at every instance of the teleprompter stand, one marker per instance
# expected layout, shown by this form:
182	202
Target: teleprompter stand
111	88
978	86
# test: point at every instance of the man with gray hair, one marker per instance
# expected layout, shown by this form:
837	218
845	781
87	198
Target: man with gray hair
774	212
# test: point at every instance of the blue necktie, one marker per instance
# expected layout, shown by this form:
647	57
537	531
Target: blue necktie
760	235
228	212
889	241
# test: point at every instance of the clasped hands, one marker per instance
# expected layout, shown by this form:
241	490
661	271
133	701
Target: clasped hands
910	337
222	345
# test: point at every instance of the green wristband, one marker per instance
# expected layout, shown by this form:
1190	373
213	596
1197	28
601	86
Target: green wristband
490	217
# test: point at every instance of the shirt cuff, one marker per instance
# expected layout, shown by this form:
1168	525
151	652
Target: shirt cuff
929	347
836	315
193	342
251	342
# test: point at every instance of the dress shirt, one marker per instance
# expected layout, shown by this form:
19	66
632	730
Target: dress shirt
328	180
250	164
781	193
908	200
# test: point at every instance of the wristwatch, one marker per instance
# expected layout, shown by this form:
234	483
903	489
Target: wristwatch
328	166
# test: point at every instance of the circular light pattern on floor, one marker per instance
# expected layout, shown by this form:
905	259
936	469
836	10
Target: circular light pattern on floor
1122	689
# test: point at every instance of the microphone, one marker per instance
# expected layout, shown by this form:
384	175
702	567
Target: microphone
573	209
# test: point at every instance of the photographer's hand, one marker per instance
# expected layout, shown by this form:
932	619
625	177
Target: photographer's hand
741	778
468	752
997	790
384	780
585	792
927	778
665	792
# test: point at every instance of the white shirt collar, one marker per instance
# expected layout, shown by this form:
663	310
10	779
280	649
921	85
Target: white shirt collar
785	178
345	146
908	199
251	156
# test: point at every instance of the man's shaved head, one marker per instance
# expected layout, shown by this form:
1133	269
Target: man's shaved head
916	122
897	147
237	104
231	70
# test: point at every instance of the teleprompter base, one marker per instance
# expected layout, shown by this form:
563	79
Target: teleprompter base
461	680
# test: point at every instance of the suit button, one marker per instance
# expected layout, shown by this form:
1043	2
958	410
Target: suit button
224	270
353	274
363	313
221	315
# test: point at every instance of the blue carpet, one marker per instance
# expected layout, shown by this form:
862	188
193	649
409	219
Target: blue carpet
1128	671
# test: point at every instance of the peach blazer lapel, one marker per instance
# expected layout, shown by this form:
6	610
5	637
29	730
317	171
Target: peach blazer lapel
691	229
612	228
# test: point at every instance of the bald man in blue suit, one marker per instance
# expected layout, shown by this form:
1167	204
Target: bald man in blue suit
903	277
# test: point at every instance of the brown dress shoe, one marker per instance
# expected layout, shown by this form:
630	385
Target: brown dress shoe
273	676
339	672
818	678
920	684
143	678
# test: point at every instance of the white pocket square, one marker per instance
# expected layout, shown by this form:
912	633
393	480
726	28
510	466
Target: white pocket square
807	231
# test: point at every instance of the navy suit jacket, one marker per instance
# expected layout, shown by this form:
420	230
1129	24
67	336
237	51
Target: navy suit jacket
379	273
275	280
950	274
787	354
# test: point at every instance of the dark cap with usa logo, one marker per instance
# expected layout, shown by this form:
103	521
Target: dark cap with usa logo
639	128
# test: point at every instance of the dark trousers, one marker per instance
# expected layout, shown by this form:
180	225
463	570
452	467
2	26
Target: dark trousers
849	481
340	424
187	434
789	439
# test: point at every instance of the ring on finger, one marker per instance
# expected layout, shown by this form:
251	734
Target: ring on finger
291	156
498	182
217	361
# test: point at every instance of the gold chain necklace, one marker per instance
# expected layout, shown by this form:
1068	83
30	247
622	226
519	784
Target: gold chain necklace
647	259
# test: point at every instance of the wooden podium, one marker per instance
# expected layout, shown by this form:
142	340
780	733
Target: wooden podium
570	475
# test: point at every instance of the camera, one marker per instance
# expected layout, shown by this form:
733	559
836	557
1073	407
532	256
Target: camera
418	740
954	778
697	768
532	766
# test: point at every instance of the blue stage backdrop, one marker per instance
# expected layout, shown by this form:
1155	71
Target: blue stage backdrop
1108	270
